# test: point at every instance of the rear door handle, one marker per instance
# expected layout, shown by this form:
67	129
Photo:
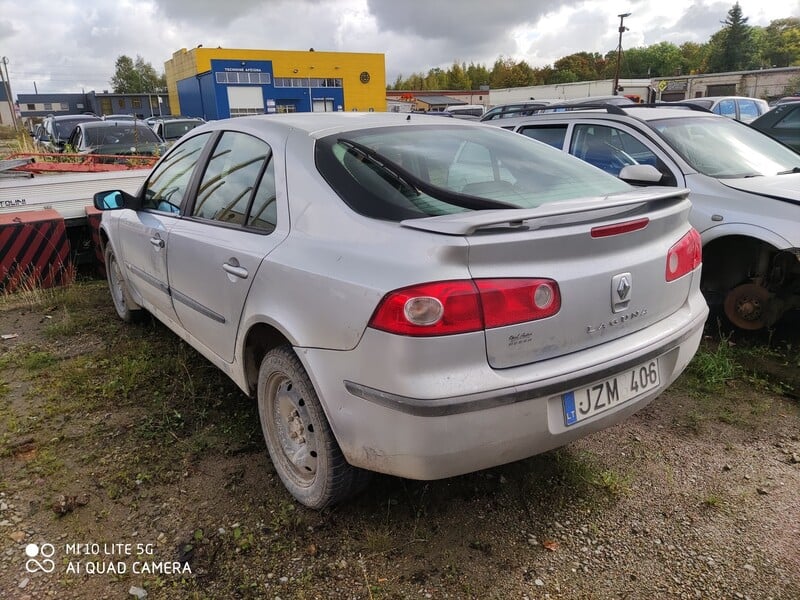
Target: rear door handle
234	269
157	242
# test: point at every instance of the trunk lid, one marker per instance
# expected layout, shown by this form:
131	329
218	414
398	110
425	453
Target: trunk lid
610	286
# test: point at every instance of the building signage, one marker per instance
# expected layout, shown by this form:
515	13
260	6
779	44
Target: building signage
673	85
243	69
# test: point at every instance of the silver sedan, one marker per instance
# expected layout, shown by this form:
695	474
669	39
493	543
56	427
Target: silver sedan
406	294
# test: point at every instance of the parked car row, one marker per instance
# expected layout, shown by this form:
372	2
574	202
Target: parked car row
110	134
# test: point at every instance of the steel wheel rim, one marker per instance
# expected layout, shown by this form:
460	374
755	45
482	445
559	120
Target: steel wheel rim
115	280
292	428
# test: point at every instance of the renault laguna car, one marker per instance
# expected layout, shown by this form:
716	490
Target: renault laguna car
406	294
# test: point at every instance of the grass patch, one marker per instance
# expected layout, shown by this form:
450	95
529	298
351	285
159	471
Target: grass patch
713	366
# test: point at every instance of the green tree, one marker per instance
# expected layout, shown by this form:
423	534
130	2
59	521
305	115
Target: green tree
136	77
781	43
585	65
694	57
733	47
457	78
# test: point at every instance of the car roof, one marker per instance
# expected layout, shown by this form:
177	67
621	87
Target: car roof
613	112
721	98
112	123
328	123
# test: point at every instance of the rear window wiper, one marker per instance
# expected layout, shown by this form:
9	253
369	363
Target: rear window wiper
792	170
407	178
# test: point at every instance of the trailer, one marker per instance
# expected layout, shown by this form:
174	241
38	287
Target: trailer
48	223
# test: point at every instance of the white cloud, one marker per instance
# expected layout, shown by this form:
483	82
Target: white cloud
72	45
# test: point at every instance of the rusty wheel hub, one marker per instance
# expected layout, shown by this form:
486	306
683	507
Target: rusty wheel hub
745	306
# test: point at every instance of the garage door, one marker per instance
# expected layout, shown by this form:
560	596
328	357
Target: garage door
245	100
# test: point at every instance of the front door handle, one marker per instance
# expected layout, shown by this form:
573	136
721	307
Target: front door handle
157	242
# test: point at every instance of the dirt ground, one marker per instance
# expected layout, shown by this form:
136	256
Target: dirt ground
129	467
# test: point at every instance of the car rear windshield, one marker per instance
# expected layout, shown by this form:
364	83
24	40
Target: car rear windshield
415	171
121	134
64	127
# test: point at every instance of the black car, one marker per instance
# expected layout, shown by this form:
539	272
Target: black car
782	123
117	138
54	131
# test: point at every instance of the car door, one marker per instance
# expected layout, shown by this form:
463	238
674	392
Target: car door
143	235
231	225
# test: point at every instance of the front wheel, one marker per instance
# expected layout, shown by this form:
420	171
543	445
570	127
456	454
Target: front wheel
301	444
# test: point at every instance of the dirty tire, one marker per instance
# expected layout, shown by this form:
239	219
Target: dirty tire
303	449
126	308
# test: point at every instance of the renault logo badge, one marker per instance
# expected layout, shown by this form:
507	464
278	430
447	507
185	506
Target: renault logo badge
621	291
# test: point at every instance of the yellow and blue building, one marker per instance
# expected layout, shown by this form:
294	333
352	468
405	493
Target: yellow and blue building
217	83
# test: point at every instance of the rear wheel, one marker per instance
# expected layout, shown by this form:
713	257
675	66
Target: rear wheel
126	308
301	444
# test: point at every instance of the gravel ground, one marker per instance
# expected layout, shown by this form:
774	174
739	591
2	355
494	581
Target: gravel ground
694	497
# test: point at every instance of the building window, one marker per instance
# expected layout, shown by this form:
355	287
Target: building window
239	77
31	107
136	103
305	82
105	106
121	102
48	106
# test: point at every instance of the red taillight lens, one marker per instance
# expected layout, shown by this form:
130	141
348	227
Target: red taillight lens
509	301
685	256
461	306
619	228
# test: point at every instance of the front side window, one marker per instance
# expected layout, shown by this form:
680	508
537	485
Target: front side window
227	186
611	149
790	120
167	185
399	173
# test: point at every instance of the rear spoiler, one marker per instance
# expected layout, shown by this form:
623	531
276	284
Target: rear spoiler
467	223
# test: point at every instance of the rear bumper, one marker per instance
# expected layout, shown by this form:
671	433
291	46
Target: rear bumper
482	423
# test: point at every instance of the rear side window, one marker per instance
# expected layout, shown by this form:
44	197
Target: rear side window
552	135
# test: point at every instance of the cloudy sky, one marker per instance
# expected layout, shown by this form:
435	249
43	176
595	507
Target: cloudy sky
71	45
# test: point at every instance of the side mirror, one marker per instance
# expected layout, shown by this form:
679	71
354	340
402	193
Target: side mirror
640	175
114	200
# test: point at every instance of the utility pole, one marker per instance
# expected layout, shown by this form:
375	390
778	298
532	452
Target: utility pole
7	87
622	29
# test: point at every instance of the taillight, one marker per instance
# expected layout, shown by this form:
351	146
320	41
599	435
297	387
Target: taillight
685	256
461	306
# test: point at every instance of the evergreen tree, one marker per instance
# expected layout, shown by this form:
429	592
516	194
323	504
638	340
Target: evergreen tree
733	47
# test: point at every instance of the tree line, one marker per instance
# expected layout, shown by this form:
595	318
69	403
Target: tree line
737	46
